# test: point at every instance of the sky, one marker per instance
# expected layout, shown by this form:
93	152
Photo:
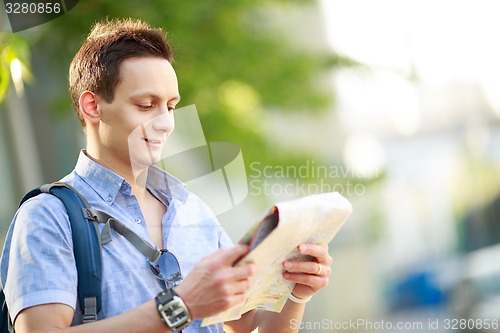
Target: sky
448	45
443	39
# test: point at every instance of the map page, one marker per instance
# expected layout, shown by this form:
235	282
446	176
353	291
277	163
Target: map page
311	219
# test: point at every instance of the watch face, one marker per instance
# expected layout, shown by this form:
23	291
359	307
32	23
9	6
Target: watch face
175	313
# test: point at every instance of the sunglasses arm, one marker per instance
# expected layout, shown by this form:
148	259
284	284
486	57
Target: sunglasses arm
149	251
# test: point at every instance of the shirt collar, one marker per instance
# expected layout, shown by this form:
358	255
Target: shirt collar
108	184
165	183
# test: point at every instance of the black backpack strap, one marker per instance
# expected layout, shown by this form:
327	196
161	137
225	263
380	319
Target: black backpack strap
29	195
86	245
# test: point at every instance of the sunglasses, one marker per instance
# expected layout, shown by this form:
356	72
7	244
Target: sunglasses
162	263
166	268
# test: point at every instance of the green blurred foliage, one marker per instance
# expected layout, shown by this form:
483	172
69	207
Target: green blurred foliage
227	62
13	47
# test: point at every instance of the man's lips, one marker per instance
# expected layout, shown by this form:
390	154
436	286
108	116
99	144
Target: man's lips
153	141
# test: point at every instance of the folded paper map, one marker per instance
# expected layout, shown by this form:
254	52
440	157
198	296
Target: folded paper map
312	219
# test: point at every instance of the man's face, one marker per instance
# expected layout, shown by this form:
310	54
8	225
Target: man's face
136	125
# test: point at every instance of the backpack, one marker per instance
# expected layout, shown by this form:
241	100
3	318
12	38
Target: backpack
86	248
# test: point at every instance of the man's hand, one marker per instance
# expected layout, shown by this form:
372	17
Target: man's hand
214	285
309	276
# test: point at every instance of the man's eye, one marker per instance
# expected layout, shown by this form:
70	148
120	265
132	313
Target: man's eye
145	107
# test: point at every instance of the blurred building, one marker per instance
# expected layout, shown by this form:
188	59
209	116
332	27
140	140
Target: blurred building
425	116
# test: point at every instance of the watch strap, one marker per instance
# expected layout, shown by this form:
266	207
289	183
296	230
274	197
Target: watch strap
163	299
165	296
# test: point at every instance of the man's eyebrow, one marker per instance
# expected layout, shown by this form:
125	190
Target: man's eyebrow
175	98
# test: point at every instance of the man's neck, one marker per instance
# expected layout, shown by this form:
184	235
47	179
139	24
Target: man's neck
136	178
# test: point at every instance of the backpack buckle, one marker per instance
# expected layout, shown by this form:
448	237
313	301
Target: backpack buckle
90	311
89	214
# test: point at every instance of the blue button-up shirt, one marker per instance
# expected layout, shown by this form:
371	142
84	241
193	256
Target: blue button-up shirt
38	265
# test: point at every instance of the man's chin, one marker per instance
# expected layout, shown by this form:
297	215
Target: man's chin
144	163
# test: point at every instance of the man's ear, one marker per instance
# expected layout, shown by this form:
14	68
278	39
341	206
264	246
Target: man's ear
88	107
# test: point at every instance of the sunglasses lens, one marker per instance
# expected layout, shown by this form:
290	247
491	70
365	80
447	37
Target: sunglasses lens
167	267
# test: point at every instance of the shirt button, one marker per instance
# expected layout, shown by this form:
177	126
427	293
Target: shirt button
137	221
108	199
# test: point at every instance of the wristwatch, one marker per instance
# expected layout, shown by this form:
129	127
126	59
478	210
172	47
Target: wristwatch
173	312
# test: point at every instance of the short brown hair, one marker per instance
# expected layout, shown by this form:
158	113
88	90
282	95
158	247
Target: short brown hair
96	66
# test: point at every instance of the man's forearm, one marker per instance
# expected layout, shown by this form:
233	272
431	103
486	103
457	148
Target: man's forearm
144	318
56	318
283	322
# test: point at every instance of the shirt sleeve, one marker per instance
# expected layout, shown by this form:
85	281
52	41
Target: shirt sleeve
40	267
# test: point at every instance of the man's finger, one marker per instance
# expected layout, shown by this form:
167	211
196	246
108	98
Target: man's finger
238	287
307	267
314	281
320	252
229	255
244	272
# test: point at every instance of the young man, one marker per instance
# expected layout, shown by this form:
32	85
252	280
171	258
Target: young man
124	91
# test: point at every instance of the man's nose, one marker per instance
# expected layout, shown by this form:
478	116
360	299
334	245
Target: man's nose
164	121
